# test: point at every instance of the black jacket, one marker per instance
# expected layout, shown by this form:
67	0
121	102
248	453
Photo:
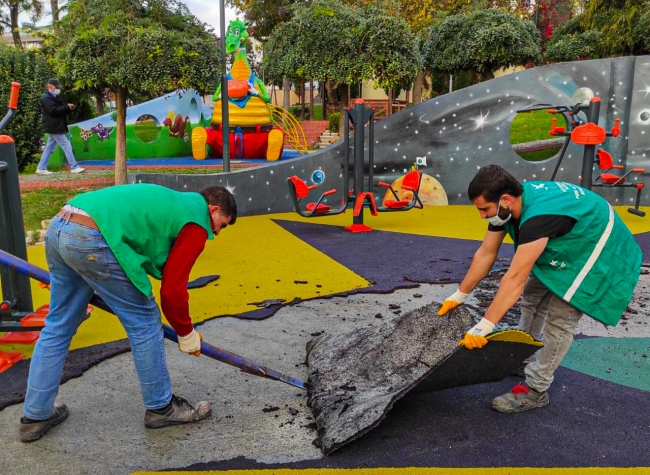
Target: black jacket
54	112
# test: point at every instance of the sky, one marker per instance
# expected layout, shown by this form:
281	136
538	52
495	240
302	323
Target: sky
205	10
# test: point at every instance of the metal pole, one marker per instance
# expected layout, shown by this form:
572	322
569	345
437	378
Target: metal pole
358	154
590	150
16	288
225	129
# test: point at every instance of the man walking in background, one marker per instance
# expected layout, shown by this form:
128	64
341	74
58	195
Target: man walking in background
56	125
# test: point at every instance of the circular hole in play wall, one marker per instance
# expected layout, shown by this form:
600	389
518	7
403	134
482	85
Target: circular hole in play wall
645	116
194	113
147	128
529	135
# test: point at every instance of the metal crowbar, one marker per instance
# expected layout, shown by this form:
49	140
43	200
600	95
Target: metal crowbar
225	356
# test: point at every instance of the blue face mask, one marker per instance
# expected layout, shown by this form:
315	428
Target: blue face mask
496	220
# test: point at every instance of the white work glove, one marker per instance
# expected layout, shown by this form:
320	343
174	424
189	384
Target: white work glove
252	91
190	344
475	336
452	302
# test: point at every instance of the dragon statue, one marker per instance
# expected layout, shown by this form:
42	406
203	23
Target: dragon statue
252	133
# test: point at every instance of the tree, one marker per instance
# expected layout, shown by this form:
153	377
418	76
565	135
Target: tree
482	41
150	46
30	69
330	40
618	27
9	15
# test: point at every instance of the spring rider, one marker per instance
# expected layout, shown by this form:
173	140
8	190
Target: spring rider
252	133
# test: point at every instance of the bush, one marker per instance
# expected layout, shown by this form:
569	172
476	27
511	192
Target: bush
575	47
334	119
295	111
30	69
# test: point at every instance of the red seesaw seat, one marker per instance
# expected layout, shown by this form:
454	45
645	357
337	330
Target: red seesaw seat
410	182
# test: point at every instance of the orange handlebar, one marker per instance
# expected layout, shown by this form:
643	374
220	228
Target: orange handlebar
312	187
329	192
385	185
638	170
618	167
13	98
617	128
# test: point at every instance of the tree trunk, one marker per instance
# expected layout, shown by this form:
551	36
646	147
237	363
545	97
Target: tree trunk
331	88
120	147
13	18
286	93
344	92
302	100
100	105
417	88
311	100
323	95
54	5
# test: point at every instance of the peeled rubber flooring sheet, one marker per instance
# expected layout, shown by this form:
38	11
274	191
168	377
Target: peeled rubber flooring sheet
356	378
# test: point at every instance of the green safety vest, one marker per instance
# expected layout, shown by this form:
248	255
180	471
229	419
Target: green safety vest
595	267
140	224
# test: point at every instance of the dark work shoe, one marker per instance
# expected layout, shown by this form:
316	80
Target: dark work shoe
520	398
180	412
33	430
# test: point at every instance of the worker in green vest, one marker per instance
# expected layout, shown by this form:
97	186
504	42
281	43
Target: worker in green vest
573	256
110	242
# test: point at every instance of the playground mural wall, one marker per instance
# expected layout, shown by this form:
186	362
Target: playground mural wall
158	128
457	133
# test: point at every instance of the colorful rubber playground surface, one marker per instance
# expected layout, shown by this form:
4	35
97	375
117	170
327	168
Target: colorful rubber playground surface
285	279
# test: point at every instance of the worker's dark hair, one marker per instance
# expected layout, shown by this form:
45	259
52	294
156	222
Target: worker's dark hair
491	182
219	196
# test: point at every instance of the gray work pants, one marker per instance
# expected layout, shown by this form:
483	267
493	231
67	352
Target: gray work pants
550	319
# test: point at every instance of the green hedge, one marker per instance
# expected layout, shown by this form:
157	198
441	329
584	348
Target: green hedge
30	69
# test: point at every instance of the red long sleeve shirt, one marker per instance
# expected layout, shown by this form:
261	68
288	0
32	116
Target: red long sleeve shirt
174	298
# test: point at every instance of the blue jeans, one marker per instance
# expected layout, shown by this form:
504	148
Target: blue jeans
81	262
52	141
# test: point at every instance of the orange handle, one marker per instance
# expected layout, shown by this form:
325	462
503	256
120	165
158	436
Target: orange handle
638	170
312	187
618	167
385	185
329	192
552	111
617	128
13	98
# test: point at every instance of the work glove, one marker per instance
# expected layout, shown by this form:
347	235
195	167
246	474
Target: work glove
475	336
190	344
452	302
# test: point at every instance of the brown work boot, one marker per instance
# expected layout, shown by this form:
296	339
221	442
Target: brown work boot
520	398
179	412
31	430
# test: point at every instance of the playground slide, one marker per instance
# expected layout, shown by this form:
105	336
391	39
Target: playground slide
154	129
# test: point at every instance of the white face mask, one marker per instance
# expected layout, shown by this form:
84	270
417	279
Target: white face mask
496	220
57	91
